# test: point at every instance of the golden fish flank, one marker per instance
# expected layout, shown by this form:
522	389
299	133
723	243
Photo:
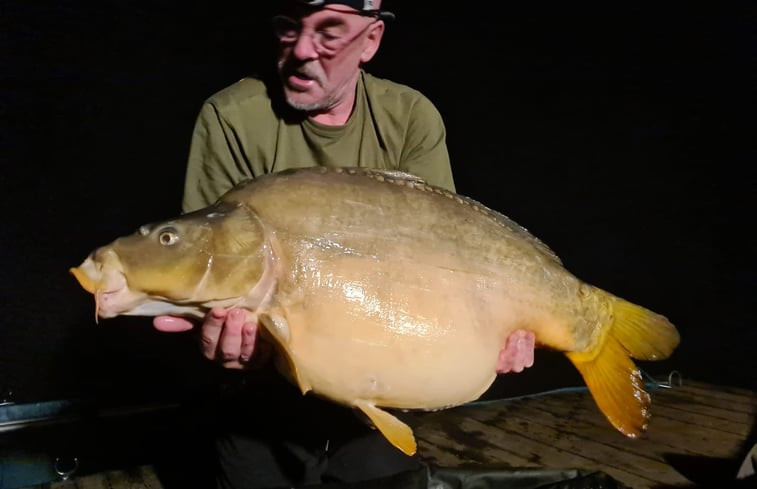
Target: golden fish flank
414	287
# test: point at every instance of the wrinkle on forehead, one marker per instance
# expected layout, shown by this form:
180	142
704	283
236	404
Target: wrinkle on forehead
335	18
302	11
347	8
340	8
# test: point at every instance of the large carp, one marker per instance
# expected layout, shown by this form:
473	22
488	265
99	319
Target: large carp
380	291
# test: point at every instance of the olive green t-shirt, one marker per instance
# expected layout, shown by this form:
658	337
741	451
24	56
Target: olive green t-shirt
239	135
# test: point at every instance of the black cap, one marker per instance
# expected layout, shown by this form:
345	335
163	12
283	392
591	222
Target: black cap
366	7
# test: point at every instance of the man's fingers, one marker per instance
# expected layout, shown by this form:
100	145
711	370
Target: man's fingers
523	349
528	346
249	333
172	324
505	361
228	339
518	352
211	331
230	343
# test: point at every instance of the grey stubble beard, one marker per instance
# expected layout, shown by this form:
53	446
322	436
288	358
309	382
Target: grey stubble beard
329	99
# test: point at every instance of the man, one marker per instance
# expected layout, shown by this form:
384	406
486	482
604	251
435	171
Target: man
322	109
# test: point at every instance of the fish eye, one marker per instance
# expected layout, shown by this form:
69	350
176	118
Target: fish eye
168	236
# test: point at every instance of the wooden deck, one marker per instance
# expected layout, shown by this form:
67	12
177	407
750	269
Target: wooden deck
699	434
698	437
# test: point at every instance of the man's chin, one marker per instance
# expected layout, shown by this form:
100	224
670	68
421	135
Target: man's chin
299	101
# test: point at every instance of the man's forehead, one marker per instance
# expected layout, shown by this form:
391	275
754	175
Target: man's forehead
302	8
343	13
354	4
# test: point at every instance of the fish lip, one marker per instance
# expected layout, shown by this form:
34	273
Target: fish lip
111	297
102	275
85	280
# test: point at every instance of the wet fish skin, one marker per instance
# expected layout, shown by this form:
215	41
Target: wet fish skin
380	291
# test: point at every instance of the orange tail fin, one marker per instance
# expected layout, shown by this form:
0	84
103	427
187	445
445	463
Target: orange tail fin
609	371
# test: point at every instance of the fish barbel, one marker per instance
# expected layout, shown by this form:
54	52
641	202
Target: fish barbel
381	292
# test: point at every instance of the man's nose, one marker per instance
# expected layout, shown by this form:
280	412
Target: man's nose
304	47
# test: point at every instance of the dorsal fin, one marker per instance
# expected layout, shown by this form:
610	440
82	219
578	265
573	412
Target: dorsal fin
397	175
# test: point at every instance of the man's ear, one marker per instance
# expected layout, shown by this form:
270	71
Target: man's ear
372	41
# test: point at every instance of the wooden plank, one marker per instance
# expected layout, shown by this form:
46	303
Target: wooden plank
727	429
442	428
735	393
554	429
539	451
435	451
690	429
453	448
664	405
740	410
143	477
714	400
676	432
597	445
663	437
128	479
593	453
67	484
94	481
733	424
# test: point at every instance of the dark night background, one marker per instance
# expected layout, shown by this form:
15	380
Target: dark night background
620	133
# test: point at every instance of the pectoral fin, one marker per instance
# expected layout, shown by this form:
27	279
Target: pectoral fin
277	330
398	433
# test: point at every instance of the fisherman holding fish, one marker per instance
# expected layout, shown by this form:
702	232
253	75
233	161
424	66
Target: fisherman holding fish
379	288
323	109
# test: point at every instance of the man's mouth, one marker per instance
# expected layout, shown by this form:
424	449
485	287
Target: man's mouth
302	75
300	81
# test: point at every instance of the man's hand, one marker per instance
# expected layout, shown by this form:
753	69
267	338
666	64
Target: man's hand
225	336
518	353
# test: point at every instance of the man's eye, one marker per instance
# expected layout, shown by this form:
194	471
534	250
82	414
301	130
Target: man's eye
285	28
330	34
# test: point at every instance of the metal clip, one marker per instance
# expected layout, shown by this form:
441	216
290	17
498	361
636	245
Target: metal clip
65	473
674	380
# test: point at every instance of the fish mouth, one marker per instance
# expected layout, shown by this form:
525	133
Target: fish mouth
88	283
106	282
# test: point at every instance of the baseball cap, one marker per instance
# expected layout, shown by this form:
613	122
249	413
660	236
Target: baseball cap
365	7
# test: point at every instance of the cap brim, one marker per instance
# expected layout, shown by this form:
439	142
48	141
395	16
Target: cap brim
386	15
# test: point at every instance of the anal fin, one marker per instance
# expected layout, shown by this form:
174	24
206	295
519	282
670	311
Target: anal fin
398	433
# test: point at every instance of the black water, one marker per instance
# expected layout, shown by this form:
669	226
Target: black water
622	135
